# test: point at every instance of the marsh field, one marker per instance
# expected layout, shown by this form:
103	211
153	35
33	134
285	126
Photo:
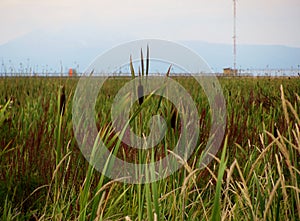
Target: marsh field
254	176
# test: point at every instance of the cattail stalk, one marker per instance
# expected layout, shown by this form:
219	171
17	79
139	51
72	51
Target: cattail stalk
62	100
140	90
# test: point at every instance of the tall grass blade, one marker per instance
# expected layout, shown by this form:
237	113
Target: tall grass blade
131	68
216	210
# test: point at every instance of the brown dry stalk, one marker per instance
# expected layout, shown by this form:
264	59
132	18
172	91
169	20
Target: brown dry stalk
282	180
273	192
293	111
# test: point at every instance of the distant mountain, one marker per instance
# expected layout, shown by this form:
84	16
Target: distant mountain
219	56
42	51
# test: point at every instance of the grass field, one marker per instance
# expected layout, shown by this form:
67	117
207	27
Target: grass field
255	175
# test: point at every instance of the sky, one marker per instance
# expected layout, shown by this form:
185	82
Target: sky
258	21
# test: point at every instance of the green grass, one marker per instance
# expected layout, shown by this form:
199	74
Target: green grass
255	176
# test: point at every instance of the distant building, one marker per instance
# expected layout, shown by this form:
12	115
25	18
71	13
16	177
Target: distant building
230	71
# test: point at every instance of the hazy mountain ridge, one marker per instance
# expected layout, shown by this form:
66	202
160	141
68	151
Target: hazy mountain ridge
42	50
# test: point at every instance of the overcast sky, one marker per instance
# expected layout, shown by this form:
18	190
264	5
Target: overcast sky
258	21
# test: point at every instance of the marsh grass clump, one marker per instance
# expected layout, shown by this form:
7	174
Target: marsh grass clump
140	114
43	175
145	72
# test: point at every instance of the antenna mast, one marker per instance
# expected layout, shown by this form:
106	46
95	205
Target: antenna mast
234	36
